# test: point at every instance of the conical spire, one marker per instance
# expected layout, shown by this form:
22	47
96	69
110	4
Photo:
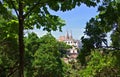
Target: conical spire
71	35
67	35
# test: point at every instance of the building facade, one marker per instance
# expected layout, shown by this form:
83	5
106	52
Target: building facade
75	44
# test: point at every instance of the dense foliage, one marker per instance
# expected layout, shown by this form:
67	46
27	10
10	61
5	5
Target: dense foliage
8	47
31	56
101	65
35	13
103	62
43	56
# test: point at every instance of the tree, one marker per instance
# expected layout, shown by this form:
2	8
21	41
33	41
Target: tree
94	37
109	17
98	64
31	46
8	47
96	33
115	37
107	20
43	56
96	29
32	13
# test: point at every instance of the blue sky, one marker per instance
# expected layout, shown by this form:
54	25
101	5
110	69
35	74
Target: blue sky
75	21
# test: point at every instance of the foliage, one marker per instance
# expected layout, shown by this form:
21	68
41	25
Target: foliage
115	37
43	56
97	64
107	20
35	13
96	33
30	13
50	63
8	47
31	46
109	16
100	65
94	37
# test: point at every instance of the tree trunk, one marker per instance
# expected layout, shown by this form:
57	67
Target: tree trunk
21	42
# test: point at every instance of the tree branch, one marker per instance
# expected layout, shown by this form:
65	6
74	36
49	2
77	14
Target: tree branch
13	69
117	30
14	7
32	8
110	47
12	72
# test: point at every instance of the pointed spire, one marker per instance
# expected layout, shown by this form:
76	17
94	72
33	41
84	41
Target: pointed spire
71	35
67	35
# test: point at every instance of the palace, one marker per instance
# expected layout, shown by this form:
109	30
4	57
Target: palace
74	51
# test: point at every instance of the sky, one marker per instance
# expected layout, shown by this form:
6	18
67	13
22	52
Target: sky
75	21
